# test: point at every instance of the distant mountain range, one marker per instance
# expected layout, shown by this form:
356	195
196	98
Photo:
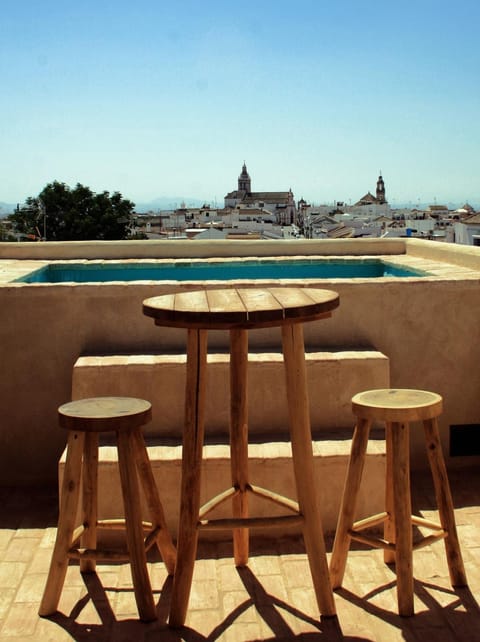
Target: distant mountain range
169	203
6	209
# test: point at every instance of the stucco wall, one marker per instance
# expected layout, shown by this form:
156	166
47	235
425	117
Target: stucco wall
199	249
427	328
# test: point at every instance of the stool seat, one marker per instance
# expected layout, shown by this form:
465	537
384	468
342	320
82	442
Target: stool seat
397	404
104	414
397	408
85	419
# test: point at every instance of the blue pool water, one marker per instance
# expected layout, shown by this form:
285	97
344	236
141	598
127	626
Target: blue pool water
223	271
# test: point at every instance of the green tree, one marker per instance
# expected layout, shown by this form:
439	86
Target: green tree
60	213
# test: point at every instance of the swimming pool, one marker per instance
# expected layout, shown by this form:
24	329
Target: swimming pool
108	271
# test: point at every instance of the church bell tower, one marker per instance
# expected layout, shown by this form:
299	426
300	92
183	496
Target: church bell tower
244	182
381	189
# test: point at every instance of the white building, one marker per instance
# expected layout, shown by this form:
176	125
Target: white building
467	231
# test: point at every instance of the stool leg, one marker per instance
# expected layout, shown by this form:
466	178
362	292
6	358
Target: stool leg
302	454
349	502
89	499
155	508
133	525
191	474
403	513
239	438
445	503
389	525
66	523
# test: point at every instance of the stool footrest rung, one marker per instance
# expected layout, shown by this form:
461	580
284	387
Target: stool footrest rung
250	522
110	524
368	522
376	542
426	523
216	501
119	524
98	555
78	532
269	495
275	498
151	538
379	518
430	539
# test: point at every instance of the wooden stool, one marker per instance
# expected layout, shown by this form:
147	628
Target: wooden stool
84	420
397	408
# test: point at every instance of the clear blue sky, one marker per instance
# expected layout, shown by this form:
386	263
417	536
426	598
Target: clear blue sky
151	98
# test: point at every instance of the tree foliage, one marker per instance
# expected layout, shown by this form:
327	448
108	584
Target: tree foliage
60	213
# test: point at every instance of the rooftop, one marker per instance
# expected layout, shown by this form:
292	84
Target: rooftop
272	598
410	321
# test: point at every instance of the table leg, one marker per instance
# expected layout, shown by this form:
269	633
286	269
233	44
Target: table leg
302	453
191	472
239	438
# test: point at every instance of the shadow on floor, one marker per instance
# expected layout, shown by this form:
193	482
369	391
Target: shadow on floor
460	620
268	606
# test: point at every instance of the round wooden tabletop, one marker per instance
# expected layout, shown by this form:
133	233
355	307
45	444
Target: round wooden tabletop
240	307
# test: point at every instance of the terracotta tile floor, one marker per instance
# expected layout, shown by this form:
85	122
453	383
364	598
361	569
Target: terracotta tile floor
271	599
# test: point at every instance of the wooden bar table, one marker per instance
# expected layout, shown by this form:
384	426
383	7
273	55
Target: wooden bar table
239	310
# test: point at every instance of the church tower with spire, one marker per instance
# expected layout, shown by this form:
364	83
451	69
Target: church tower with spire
244	182
381	190
262	205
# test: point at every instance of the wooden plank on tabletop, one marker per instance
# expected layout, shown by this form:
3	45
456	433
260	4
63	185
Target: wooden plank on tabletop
191	302
301	302
153	304
226	307
225	300
262	306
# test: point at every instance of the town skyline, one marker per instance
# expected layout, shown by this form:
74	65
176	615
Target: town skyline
168	202
152	99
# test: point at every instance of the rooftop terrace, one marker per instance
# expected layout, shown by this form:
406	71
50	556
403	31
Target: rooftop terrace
270	599
426	328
